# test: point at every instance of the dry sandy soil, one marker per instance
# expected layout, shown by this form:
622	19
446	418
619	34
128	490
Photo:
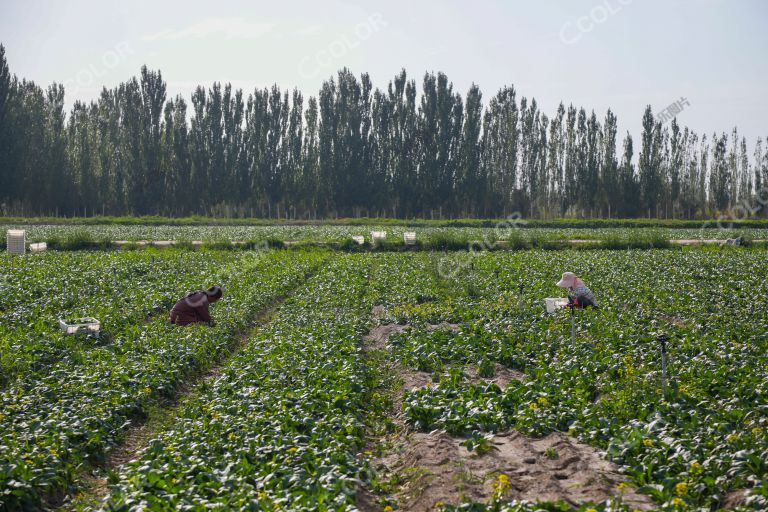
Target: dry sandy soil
434	467
437	468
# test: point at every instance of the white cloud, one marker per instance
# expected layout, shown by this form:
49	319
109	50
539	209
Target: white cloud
230	28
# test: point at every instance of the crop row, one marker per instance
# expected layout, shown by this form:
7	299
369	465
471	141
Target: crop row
693	448
279	429
73	413
120	289
515	230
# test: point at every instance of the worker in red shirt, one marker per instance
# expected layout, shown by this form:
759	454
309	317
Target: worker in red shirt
194	307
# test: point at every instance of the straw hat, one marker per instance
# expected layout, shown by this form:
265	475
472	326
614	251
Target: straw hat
568	281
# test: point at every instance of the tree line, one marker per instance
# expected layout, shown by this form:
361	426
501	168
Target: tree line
354	150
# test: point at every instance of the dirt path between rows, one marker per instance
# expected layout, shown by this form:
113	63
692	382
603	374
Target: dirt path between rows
93	480
421	470
552	468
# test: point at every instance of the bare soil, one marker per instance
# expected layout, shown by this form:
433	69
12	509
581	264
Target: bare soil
424	469
377	338
673	320
414	380
445	326
502	376
443	471
734	498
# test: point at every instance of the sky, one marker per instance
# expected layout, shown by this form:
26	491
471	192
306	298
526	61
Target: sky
711	56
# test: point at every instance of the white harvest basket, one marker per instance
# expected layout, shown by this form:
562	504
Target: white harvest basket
409	237
76	325
359	240
553	304
16	241
378	236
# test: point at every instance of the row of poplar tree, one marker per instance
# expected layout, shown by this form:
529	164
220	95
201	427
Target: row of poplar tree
353	150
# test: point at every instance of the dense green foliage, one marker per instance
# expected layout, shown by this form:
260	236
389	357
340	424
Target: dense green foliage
279	429
58	416
355	150
283	425
709	433
383	221
427	237
121	290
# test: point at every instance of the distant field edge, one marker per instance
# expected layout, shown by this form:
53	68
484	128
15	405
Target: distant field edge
412	222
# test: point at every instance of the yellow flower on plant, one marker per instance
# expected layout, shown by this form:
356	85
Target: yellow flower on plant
732	438
388	509
696	468
543	401
623	486
590	510
292	449
501	486
533	406
757	431
681	488
648	442
677	502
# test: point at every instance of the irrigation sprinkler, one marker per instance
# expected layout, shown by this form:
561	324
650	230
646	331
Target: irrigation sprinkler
662	339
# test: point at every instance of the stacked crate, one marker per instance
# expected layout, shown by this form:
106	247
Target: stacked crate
378	237
16	241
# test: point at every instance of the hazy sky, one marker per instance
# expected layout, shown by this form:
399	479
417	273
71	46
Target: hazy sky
622	54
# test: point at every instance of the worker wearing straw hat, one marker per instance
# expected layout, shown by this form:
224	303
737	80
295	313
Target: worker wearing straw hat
578	293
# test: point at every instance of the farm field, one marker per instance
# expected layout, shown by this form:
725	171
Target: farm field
374	381
412	261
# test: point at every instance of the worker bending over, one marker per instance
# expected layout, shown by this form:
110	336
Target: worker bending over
194	307
578	293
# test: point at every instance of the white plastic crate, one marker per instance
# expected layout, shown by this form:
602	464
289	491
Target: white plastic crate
16	241
409	237
553	304
76	325
38	247
359	240
378	236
